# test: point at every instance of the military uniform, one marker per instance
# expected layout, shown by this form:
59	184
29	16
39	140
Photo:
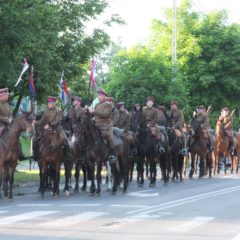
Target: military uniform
103	119
5	114
76	112
124	120
227	121
115	117
177	117
161	118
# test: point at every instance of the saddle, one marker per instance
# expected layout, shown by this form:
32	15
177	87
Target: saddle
117	134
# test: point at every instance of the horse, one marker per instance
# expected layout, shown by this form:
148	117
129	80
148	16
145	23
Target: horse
52	154
198	147
176	150
221	147
9	149
97	152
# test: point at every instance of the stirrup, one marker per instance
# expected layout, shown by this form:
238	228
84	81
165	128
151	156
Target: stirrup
184	151
161	150
112	159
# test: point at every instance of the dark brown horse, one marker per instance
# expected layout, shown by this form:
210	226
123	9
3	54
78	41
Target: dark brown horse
198	147
9	150
97	152
52	154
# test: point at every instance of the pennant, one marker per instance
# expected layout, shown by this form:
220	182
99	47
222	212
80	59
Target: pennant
92	74
25	68
31	85
64	90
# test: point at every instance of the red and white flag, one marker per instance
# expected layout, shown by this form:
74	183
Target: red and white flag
64	90
92	74
25	68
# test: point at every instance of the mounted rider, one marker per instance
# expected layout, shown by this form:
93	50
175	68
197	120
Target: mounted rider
203	118
77	111
103	120
226	119
115	113
161	116
5	115
151	117
52	118
124	119
176	115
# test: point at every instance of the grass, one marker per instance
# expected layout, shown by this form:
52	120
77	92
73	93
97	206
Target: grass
25	142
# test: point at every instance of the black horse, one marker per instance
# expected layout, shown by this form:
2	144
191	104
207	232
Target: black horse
177	149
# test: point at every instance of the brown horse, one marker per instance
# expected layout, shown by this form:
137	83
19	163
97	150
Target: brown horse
198	147
221	147
52	154
9	150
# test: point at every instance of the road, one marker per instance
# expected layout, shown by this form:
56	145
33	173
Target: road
194	209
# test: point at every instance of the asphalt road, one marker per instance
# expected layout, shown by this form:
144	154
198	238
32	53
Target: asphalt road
194	209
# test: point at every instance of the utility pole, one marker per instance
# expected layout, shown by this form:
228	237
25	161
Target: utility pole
174	40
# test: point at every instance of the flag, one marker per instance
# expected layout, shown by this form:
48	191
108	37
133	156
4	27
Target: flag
25	68
64	91
92	77
31	85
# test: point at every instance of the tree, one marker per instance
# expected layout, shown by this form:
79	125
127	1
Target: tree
51	34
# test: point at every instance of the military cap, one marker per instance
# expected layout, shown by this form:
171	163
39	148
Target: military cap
225	109
150	99
51	99
76	98
101	92
120	104
161	108
174	103
4	91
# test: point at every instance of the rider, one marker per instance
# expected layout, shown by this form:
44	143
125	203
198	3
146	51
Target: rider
5	115
226	119
203	119
124	119
151	117
161	116
52	117
103	119
178	121
77	111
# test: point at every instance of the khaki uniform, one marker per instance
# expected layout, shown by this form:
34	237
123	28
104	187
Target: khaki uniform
124	120
115	117
161	118
227	121
103	119
76	113
53	117
177	118
5	115
151	117
203	119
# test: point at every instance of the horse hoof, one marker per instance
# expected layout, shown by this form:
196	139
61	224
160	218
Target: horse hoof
83	189
67	193
76	190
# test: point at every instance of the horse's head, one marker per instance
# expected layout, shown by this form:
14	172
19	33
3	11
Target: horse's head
23	123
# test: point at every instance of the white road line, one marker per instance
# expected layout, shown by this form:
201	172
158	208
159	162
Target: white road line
186	200
35	205
80	205
73	219
193	223
128	206
24	216
236	237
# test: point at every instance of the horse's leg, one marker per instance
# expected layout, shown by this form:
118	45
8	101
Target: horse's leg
192	166
44	177
109	183
217	163
99	177
84	170
57	178
201	166
76	175
180	166
11	179
67	168
92	177
225	162
1	181
6	180
140	169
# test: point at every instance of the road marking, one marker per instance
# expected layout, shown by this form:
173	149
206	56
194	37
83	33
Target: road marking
129	206
186	200
143	194
24	217
80	205
194	223
35	205
73	219
236	237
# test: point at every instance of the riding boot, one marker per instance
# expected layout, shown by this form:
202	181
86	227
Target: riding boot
112	156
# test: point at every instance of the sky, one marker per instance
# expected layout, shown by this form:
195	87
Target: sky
138	14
